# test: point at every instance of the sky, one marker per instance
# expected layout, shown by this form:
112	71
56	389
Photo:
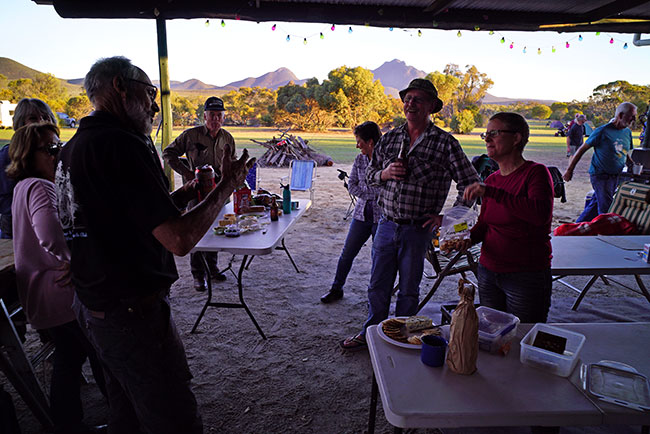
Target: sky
219	55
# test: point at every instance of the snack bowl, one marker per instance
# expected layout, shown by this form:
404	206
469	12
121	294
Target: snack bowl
231	231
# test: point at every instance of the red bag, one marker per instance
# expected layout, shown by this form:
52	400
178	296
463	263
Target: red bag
603	224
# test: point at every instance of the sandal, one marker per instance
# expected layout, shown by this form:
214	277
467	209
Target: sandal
354	343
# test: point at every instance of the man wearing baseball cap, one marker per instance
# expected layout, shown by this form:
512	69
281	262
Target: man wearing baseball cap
202	145
411	196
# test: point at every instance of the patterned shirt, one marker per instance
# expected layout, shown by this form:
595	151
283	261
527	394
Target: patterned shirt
434	160
357	186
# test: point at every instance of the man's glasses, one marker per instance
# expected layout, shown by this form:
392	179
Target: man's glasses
151	89
493	133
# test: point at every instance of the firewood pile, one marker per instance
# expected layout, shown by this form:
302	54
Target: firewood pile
281	151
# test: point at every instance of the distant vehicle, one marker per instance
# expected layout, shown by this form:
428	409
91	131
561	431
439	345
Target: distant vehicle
67	120
6	114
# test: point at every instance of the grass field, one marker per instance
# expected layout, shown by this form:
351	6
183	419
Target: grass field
340	144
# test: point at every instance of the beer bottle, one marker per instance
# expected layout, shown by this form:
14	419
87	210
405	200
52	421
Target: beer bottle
403	156
274	210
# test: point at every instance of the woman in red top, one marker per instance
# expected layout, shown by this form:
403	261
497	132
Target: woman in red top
514	272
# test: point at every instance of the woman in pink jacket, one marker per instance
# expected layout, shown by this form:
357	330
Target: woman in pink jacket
42	263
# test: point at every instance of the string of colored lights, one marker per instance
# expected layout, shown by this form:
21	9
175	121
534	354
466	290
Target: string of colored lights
566	43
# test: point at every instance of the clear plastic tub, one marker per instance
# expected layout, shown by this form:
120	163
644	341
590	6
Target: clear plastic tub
558	364
495	329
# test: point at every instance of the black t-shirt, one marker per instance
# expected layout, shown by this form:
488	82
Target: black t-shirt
576	134
112	194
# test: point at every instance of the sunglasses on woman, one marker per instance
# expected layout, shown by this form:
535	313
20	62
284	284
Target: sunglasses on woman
52	149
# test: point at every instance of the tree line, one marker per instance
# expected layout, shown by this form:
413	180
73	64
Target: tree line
347	97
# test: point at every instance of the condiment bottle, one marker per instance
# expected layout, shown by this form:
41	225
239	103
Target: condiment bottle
274	210
286	199
403	156
242	199
205	180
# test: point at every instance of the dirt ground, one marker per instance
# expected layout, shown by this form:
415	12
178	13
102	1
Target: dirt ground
298	380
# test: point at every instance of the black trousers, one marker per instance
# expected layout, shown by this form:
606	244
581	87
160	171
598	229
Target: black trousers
71	351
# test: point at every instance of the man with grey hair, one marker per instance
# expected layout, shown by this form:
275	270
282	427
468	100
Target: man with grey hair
202	145
122	226
576	134
612	143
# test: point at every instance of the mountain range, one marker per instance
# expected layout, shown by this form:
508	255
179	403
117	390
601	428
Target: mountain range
393	75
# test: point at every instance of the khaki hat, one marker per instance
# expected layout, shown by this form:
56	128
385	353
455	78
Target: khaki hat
426	86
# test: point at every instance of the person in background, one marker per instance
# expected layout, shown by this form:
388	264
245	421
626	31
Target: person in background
411	195
205	144
612	143
576	134
514	272
123	227
42	263
28	111
366	211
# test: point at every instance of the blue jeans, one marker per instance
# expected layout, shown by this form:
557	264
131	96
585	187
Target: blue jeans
526	295
358	234
147	376
604	189
396	248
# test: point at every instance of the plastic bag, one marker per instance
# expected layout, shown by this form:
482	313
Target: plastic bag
463	332
455	227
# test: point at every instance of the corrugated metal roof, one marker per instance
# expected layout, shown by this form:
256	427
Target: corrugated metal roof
625	16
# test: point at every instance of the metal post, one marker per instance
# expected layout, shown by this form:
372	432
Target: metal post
165	96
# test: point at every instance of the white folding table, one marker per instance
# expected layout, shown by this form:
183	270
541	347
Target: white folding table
260	242
503	391
599	256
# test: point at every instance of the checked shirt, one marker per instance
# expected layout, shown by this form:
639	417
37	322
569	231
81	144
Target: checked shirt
434	160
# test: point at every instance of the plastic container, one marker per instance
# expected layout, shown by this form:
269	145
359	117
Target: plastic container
558	364
495	329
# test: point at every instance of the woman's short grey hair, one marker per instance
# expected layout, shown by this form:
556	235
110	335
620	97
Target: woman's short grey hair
28	107
515	122
101	74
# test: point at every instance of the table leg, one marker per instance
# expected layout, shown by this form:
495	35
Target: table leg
208	302
289	255
241	296
241	304
374	392
584	292
642	287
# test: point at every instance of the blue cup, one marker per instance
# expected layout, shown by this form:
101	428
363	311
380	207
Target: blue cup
433	350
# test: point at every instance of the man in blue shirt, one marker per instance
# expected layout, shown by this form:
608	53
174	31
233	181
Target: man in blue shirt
612	143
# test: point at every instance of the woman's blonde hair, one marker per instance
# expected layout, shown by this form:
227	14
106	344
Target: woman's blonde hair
23	146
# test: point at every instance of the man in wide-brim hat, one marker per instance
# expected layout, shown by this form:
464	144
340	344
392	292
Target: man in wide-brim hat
412	194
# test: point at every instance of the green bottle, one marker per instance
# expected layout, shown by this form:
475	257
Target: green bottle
286	199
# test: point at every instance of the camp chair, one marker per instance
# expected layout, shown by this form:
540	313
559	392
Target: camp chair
445	265
252	178
558	183
631	202
302	176
19	368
